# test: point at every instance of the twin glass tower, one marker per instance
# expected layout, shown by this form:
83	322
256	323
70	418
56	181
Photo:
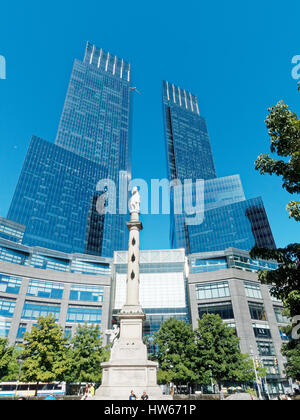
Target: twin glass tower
57	193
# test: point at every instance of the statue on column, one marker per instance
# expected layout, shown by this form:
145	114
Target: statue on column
134	201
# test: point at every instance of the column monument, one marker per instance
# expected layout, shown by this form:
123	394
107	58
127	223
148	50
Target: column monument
128	368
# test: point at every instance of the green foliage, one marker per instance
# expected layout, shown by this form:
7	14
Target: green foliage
285	280
86	355
291	350
284	130
45	352
175	341
218	353
210	352
6	357
251	391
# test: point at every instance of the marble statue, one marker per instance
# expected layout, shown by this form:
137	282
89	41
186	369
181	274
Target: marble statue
134	202
113	334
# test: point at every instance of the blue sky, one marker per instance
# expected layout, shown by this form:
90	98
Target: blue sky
235	56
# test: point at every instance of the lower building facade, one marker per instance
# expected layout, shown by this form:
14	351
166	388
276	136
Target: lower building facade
37	282
80	288
226	283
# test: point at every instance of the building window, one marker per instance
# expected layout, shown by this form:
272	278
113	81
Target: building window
49	263
45	289
201	266
4	328
224	309
257	311
261	331
279	315
88	314
33	310
89	267
265	348
252	290
86	293
212	290
283	335
272	367
7	307
68	332
9	284
21	331
13	256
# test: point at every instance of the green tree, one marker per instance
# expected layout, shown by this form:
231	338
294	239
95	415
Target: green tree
45	352
218	354
6	357
291	350
86	355
284	131
285	280
175	343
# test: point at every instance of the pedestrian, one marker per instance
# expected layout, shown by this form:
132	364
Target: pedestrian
86	393
221	395
144	396
92	390
132	396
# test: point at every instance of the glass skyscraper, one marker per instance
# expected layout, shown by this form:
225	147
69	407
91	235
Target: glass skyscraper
95	121
189	154
229	219
53	195
56	196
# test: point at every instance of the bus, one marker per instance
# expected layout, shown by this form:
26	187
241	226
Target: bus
28	389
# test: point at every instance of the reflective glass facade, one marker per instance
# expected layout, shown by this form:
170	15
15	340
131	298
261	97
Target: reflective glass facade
10	284
229	219
240	225
50	260
75	288
56	194
11	231
95	120
223	309
212	290
96	124
7	307
53	195
189	154
229	258
82	314
86	293
45	289
4	328
33	310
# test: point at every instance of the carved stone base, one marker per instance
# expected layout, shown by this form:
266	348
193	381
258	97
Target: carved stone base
119	380
128	368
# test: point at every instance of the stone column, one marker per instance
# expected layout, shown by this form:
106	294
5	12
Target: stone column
133	271
129	368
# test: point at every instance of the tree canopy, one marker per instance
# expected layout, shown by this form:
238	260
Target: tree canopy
45	352
284	130
86	355
196	357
